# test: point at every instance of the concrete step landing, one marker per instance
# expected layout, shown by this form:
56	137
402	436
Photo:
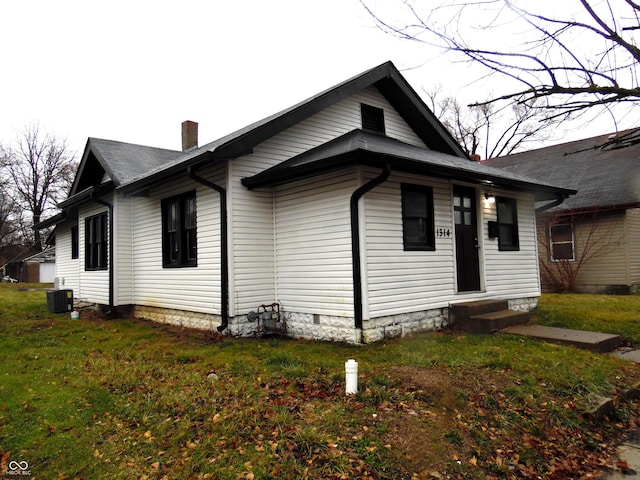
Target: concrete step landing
593	341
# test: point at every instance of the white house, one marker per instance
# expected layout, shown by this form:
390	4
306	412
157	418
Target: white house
351	216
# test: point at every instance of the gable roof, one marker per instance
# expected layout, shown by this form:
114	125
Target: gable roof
605	170
359	147
120	161
385	77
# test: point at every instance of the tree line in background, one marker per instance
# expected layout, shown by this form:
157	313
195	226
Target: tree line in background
36	171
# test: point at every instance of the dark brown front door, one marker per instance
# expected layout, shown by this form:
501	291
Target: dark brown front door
464	211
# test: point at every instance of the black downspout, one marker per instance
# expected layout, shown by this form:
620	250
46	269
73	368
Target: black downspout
110	207
224	254
355	240
559	199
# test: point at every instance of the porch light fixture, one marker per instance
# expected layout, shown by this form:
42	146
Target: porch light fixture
490	198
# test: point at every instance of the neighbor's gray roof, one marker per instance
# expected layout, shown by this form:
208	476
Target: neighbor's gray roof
604	169
358	147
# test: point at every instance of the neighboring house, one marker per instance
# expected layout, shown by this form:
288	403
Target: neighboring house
590	243
40	267
351	216
12	263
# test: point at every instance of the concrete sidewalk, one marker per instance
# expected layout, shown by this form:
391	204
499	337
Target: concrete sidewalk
594	341
628	460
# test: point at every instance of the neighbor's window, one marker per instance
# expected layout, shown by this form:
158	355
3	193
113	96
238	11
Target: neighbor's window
74	242
561	242
417	218
372	118
95	242
179	240
507	224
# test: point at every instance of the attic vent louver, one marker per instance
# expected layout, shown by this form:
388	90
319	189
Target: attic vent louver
372	118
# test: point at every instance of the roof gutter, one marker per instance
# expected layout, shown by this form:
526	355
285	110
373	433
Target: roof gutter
355	240
224	249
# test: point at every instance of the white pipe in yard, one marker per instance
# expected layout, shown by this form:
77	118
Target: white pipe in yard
351	376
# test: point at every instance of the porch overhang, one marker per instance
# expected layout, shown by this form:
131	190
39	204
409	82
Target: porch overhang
362	148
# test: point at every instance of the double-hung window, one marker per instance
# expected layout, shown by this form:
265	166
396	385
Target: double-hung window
179	232
417	218
561	242
95	242
74	242
507	224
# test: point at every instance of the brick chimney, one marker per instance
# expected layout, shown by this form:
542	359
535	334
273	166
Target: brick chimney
474	157
189	135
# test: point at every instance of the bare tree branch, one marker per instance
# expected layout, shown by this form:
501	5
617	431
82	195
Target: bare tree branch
552	64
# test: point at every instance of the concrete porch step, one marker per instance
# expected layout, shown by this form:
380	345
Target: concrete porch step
465	310
493	321
485	316
593	341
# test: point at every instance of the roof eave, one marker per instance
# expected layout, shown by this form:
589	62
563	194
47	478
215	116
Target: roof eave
363	156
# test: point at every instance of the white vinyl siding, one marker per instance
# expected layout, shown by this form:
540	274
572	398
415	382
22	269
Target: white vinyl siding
510	274
313	237
194	289
67	268
399	281
253	270
123	251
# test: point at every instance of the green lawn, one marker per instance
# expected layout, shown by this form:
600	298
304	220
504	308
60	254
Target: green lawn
619	314
113	399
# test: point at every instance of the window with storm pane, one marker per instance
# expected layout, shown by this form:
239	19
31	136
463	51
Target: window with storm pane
417	217
561	242
179	231
507	224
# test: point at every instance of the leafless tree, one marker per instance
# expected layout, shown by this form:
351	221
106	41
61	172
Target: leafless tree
8	211
565	57
485	129
39	169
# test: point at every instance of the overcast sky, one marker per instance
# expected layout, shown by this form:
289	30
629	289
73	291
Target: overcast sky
134	70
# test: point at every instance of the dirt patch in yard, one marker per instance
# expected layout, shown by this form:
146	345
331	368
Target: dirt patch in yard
441	398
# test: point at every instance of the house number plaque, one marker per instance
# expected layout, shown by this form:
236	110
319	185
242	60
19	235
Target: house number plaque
443	232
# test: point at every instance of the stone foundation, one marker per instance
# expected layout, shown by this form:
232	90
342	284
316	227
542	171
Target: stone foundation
523	304
181	318
317	326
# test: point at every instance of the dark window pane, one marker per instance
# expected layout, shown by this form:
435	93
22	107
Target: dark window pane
417	217
563	251
179	225
561	233
507	224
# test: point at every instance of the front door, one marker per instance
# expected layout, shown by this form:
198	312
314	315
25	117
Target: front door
464	211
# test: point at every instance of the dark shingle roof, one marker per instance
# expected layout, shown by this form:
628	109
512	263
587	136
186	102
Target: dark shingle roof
604	169
385	77
125	161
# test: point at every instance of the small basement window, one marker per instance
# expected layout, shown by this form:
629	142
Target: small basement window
372	118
